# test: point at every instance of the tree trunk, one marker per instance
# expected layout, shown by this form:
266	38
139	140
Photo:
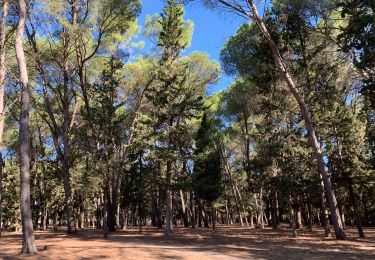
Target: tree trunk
309	211
183	206
168	213
260	220
251	219
54	223
160	209
299	219
105	218
66	149
292	216
342	215
327	229
124	219
28	241
213	216
1	192
118	216
4	14
205	219
353	201
111	214
200	211
274	210
283	70
228	171
192	208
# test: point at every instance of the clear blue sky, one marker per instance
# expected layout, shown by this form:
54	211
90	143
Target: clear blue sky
211	30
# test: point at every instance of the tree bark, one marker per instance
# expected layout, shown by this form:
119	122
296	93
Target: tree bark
1	192
327	229
105	218
160	209
283	70
4	12
260	220
168	213
66	141
274	209
28	241
292	216
299	218
183	206
192	208
213	216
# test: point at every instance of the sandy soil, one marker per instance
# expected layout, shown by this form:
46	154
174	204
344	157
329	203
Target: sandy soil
225	243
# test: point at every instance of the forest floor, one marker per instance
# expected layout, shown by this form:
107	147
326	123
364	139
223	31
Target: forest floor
226	242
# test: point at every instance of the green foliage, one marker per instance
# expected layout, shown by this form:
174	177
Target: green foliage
207	178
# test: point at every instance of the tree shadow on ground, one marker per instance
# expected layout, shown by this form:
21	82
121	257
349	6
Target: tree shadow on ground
226	242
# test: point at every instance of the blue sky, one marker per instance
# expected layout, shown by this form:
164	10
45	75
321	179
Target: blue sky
211	30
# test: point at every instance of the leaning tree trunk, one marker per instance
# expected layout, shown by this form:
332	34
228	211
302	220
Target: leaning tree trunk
283	70
28	241
4	12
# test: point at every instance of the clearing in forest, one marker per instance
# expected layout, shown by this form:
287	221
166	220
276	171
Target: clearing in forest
227	242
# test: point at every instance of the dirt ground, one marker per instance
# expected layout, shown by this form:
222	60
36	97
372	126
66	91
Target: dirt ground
227	242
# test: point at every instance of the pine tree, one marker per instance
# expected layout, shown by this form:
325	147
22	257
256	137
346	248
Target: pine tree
174	101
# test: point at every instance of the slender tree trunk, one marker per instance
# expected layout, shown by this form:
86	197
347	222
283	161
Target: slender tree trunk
251	219
105	218
292	216
124	219
1	192
118	216
168	213
45	218
28	241
200	210
299	219
160	209
4	14
283	70
327	229
260	220
66	126
354	203
213	215
309	210
192	208
186	222
228	171
342	215
54	223
274	210
111	215
66	148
